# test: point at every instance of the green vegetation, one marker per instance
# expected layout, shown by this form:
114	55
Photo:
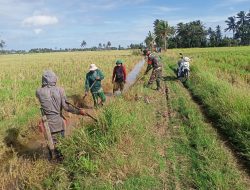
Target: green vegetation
145	139
135	145
124	150
195	34
200	160
220	80
20	76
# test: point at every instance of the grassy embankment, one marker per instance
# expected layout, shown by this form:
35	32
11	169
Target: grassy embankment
200	159
220	80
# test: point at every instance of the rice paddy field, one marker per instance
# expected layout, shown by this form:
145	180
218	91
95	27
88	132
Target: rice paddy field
191	135
20	76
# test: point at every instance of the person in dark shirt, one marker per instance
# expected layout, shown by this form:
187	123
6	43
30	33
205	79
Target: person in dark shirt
119	76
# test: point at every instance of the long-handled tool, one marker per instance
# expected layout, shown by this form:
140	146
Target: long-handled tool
89	89
47	134
87	114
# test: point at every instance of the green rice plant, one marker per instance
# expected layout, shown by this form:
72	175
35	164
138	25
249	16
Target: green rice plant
20	76
226	99
117	152
200	159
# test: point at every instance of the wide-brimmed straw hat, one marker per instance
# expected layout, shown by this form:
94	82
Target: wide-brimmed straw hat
186	59
92	67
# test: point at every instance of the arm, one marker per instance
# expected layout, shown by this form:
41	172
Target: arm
124	72
86	84
100	75
154	62
37	94
113	76
66	106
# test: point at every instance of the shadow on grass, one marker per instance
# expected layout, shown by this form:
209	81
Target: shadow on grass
169	78
32	151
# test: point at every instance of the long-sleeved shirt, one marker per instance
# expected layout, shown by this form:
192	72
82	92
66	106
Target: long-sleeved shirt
53	100
91	78
122	70
156	60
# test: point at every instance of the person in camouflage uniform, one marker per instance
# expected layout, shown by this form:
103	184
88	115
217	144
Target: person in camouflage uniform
156	74
149	61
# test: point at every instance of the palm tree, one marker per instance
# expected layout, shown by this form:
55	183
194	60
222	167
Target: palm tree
109	44
163	30
2	44
242	16
83	44
243	27
218	35
232	25
248	17
149	40
100	45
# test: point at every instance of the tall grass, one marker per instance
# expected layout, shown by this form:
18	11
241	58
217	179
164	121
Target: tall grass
118	152
20	76
226	100
200	160
133	146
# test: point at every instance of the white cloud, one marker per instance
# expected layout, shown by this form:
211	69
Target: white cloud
41	20
161	10
38	30
167	9
111	22
106	5
226	3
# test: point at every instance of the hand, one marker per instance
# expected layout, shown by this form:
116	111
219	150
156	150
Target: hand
97	78
82	112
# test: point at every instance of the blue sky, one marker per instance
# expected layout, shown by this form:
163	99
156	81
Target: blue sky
26	24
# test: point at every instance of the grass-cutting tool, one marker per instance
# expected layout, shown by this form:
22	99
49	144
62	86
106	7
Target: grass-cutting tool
89	89
87	114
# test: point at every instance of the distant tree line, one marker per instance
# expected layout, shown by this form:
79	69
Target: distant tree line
195	34
2	44
100	47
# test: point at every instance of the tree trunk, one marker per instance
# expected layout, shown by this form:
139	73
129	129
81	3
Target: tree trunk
165	43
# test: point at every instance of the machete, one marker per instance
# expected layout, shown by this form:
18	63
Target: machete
89	89
87	114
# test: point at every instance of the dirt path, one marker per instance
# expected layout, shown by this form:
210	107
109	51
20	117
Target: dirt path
242	163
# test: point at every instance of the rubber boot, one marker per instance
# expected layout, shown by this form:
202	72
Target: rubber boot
158	83
52	155
148	85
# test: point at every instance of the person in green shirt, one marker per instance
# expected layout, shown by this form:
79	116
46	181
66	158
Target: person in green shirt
93	84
